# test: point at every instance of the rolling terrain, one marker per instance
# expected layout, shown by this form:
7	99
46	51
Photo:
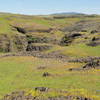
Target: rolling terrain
51	57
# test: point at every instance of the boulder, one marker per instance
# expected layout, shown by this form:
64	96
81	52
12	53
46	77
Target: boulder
46	74
41	89
93	31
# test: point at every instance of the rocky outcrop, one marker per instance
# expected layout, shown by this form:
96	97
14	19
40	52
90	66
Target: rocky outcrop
95	41
20	30
13	43
93	64
20	42
68	38
28	29
4	43
38	39
38	47
88	25
84	59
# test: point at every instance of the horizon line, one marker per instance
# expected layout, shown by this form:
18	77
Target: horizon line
48	13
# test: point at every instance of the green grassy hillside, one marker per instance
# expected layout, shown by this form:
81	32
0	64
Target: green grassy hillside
33	45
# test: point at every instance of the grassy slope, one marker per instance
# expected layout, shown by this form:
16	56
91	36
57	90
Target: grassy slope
18	73
9	19
22	74
77	50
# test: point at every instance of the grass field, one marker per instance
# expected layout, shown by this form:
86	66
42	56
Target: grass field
22	73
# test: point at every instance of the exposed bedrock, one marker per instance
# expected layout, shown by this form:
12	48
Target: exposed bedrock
95	41
20	43
84	59
37	47
4	43
37	39
28	29
68	38
20	30
13	43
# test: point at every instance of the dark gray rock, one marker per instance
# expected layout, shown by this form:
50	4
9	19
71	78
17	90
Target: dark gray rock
68	38
46	74
41	89
94	31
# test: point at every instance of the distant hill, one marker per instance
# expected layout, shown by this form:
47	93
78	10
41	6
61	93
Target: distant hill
68	13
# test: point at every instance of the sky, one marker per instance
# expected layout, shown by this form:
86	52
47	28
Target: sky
38	7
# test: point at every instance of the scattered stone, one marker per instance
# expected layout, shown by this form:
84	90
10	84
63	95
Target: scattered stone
90	64
4	43
69	98
41	89
22	96
94	31
46	74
